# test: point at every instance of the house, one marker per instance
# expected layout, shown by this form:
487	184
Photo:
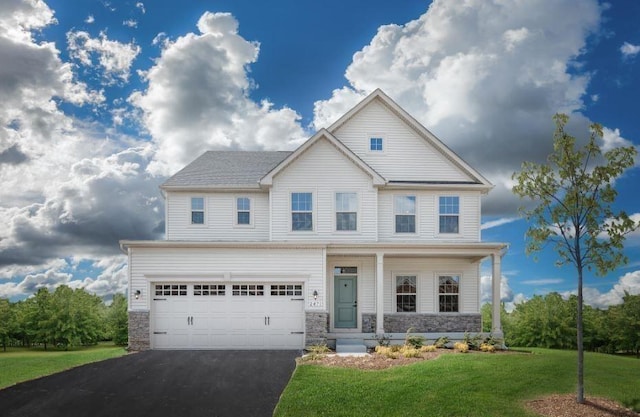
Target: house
369	228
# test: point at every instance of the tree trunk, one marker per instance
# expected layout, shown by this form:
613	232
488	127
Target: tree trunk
580	393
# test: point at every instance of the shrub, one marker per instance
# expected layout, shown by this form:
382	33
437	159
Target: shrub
318	349
428	348
473	342
485	347
461	347
410	352
388	351
383	340
415	341
441	341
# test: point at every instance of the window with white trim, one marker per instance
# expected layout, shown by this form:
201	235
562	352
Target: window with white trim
375	144
301	211
405	213
286	290
449	214
179	290
346	211
243	211
251	290
197	210
209	289
406	293
449	293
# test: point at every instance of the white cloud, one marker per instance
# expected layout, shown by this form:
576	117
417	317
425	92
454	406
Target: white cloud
629	282
140	6
197	98
543	281
629	50
114	58
490	90
90	19
497	223
132	23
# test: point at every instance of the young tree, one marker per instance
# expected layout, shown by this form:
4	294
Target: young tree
573	197
119	320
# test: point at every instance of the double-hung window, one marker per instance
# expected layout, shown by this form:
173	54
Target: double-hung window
406	293
197	210
449	214
449	293
301	211
346	211
405	213
243	211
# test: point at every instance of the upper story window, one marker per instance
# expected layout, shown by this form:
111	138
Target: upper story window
405	213
197	210
346	211
243	211
406	291
448	292
301	211
375	144
449	214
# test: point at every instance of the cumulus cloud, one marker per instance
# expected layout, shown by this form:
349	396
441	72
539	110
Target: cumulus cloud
114	58
197	98
628	283
629	50
490	90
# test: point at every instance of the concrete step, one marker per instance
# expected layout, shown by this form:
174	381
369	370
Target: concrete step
350	346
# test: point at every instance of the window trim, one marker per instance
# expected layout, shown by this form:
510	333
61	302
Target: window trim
203	211
415	215
335	211
437	291
395	291
440	215
380	144
312	211
236	211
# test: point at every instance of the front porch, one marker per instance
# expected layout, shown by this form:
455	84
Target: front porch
392	289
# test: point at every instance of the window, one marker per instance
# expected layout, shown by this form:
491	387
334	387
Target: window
346	211
197	210
251	290
287	290
405	209
243	210
449	289
406	293
301	211
208	289
375	144
179	290
449	214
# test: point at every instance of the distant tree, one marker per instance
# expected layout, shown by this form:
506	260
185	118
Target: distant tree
118	320
6	322
544	321
38	318
572	197
624	322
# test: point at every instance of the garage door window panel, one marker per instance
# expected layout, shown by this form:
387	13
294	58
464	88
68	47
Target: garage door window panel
250	290
211	290
169	290
286	290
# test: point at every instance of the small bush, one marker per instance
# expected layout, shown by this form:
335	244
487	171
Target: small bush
383	340
388	351
485	347
428	348
414	340
461	347
395	348
473	342
410	352
318	349
441	342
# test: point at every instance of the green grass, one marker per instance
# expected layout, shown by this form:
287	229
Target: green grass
19	364
457	385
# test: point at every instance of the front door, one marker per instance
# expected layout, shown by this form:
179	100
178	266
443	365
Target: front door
346	301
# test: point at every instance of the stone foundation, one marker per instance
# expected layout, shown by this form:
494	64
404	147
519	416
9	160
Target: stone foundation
139	331
317	326
424	323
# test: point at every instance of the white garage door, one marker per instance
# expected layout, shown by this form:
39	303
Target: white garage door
227	316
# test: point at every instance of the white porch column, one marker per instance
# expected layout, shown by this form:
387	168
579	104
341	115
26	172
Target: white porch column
496	325
379	293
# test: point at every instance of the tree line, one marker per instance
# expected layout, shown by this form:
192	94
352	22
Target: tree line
549	321
63	318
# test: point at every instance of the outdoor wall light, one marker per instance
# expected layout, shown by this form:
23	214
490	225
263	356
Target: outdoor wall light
315	294
137	294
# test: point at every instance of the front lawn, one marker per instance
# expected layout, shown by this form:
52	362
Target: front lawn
20	364
457	385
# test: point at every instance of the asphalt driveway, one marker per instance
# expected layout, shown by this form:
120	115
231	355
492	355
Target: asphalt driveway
157	384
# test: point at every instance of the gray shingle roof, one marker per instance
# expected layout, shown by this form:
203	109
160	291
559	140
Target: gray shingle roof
215	169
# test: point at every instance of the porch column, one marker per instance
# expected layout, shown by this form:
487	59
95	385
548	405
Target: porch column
379	293
496	325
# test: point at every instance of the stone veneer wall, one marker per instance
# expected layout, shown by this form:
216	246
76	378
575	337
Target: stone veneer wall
317	326
424	323
139	331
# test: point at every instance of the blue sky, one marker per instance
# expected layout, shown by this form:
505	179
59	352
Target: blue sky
102	100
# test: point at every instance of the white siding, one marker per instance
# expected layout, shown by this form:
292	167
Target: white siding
234	265
220	217
406	156
427	217
427	271
323	170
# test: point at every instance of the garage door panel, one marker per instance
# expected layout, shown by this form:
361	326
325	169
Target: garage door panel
228	316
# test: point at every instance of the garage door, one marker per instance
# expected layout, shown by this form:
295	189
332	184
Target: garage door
227	316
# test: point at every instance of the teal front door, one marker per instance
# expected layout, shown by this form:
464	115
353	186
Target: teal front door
346	302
